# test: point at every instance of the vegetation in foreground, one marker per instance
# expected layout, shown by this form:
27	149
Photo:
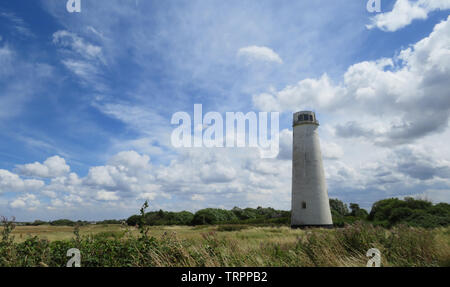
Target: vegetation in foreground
233	245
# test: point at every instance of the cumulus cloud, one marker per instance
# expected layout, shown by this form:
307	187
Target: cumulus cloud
331	150
197	197
419	164
52	167
285	145
382	125
258	53
406	11
107	195
388	101
147	196
234	177
383	102
131	160
217	173
28	201
308	93
10	182
229	178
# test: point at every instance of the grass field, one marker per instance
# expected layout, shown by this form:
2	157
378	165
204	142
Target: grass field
249	234
116	245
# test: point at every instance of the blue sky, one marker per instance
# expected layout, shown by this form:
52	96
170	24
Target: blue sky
86	101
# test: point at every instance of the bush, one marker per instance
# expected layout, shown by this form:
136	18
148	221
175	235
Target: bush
133	220
410	211
62	222
213	216
38	223
338	208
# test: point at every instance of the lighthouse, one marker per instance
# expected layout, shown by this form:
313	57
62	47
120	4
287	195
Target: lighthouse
310	205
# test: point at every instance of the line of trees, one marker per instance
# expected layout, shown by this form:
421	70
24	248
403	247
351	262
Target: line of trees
393	211
212	216
387	213
68	222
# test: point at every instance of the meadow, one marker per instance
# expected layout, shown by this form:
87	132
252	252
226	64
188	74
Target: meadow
223	245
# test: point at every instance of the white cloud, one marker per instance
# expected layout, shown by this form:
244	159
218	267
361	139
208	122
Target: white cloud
382	126
10	182
258	53
131	160
82	58
52	167
147	196
28	201
217	172
376	95
107	195
197	197
383	101
82	69
102	176
128	178
77	44
308	93
331	150
406	11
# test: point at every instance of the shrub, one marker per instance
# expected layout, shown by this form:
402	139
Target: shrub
213	216
410	211
133	220
338	207
38	223
62	222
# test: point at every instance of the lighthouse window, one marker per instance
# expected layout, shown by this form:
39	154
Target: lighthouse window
304	205
310	118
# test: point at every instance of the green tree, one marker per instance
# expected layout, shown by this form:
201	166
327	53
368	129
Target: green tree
356	211
213	216
338	207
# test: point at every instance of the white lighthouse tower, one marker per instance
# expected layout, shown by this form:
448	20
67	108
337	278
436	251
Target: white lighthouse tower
310	205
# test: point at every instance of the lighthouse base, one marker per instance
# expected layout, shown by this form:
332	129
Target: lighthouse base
328	226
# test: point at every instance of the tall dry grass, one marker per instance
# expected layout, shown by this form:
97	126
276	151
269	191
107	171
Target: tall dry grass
243	246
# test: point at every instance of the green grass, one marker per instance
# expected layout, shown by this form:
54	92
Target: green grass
116	245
